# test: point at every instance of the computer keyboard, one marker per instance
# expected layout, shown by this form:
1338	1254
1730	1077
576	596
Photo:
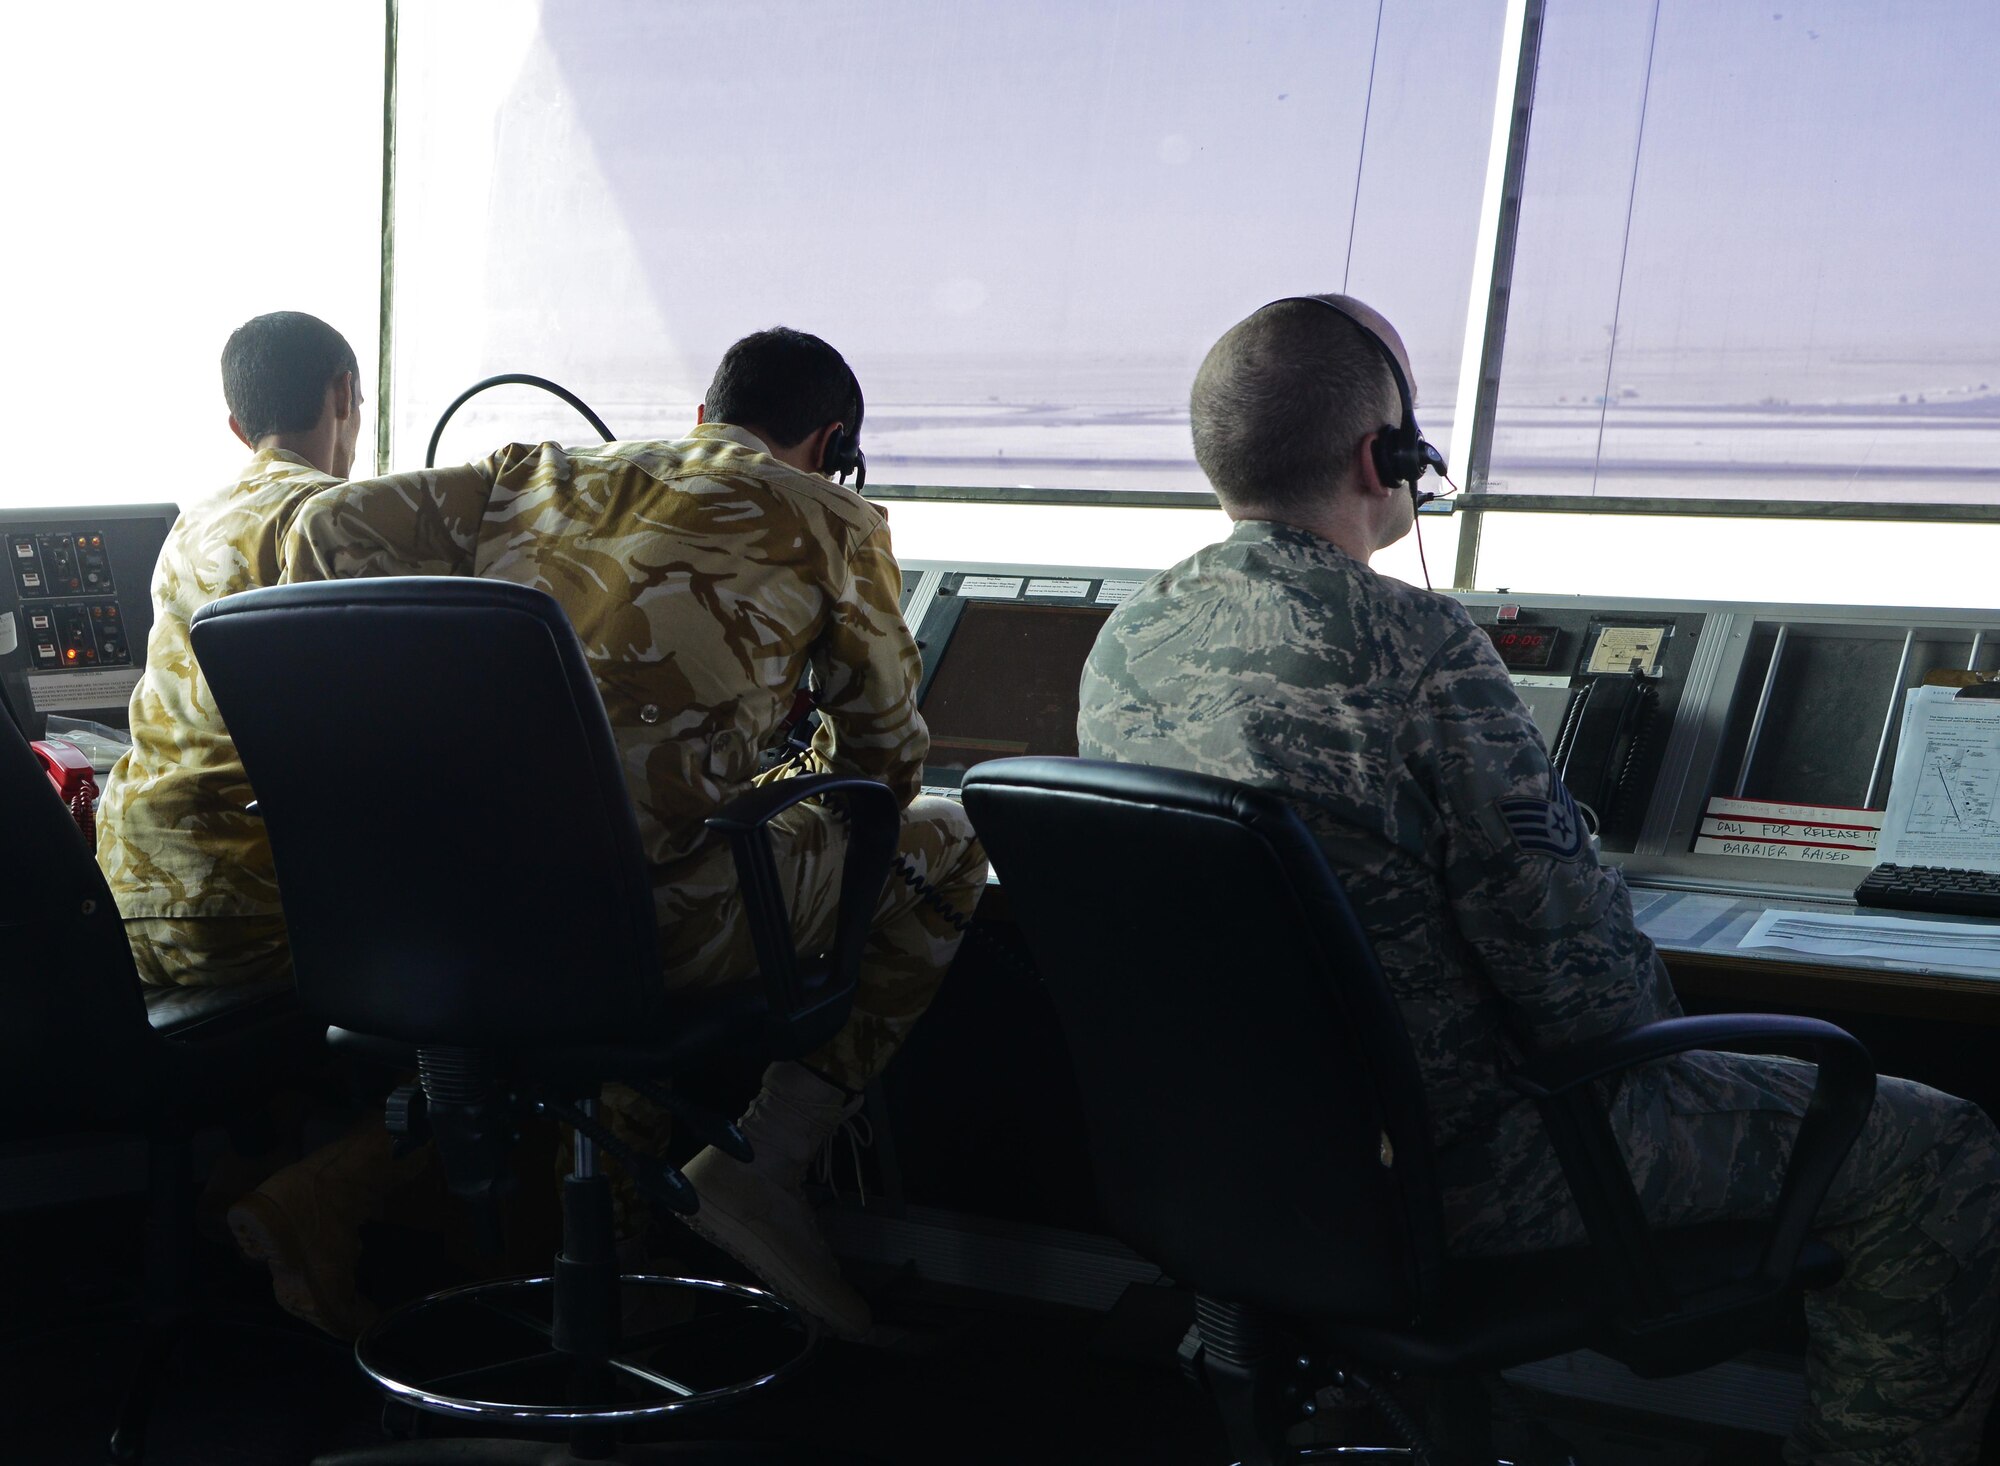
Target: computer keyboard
1932	888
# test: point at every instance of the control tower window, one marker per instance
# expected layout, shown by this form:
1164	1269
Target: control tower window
153	159
1747	258
1024	275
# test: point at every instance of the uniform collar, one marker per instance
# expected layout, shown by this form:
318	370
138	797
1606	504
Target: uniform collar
730	433
267	456
1290	541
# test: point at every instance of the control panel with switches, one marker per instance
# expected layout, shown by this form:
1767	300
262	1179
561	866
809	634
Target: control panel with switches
75	609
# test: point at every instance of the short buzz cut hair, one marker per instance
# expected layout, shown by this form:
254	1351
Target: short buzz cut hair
276	369
1283	399
789	383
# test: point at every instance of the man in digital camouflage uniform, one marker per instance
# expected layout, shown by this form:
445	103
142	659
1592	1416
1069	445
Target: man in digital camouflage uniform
190	870
704	577
1278	658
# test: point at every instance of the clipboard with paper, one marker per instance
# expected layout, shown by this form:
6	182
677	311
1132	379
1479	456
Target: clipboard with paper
1944	791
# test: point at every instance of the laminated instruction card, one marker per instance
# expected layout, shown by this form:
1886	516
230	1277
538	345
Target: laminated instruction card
1944	794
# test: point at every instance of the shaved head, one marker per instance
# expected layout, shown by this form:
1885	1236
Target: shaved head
1285	397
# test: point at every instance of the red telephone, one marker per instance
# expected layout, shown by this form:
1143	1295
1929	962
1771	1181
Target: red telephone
75	781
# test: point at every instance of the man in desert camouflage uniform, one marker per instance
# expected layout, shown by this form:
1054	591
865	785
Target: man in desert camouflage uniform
704	578
1278	658
190	870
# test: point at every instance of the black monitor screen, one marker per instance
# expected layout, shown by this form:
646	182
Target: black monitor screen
1006	682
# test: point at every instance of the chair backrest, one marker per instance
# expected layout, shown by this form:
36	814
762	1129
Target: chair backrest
74	1041
455	844
1255	1113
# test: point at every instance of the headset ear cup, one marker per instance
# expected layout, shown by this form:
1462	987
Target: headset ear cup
837	457
1398	460
1385	459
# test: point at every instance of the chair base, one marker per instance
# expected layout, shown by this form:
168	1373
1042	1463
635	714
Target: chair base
1365	1453
544	1453
1304	1454
486	1353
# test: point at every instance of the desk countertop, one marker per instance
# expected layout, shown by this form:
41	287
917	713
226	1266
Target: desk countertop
1698	933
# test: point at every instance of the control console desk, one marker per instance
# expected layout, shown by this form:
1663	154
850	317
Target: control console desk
1740	762
1735	756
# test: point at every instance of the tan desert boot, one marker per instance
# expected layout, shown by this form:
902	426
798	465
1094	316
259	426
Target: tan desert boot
758	1214
305	1223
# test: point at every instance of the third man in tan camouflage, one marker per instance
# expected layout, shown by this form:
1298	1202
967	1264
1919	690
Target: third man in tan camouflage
189	867
190	870
705	577
1279	659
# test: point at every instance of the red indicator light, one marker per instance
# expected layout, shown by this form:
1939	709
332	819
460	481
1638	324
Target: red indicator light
72	654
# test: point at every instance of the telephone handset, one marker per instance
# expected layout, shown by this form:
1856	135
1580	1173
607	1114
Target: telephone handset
75	781
1601	730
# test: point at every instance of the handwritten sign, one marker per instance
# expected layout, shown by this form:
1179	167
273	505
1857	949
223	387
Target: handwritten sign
1785	830
1784	850
1825	814
1824	834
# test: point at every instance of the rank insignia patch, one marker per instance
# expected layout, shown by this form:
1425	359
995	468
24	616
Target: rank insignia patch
1552	827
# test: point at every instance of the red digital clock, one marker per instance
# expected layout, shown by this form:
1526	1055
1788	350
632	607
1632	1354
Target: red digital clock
1524	648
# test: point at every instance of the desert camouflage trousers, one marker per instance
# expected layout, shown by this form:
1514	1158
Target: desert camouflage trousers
209	951
1901	1362
705	940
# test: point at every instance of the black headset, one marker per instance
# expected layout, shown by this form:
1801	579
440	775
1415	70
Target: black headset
843	453
1402	456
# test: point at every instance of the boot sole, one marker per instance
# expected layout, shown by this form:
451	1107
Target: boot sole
764	1264
263	1234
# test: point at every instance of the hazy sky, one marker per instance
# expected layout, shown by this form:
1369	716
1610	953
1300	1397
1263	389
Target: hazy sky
1049	202
1815	179
1023	188
164	185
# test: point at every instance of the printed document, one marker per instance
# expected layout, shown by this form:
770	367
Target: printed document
1900	941
1944	794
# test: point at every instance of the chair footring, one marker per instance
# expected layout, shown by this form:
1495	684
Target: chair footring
487	1352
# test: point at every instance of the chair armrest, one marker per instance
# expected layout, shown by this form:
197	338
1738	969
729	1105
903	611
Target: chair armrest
874	821
1594	1167
1557	1073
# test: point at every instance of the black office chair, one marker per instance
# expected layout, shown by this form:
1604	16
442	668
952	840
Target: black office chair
466	889
86	1051
1259	1128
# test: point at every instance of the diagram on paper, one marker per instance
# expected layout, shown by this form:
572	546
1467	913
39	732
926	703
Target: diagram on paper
1955	793
1944	794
